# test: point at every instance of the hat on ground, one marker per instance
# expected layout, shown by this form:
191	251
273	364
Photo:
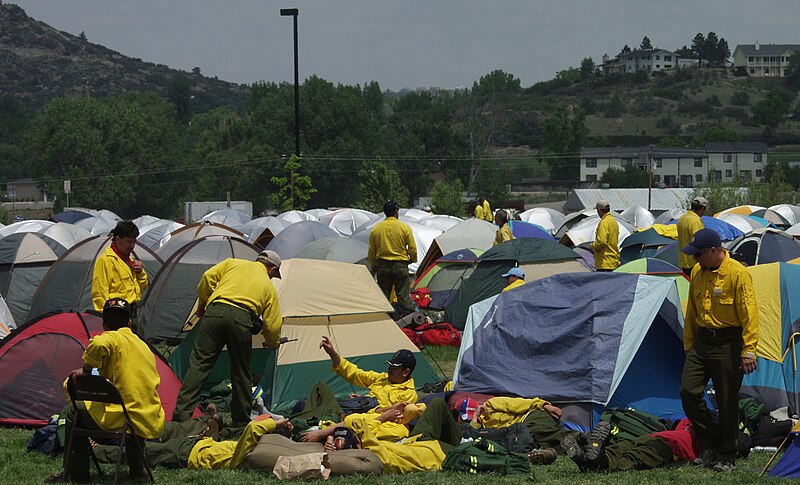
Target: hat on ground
272	258
467	408
602	204
515	272
345	439
403	358
702	239
701	201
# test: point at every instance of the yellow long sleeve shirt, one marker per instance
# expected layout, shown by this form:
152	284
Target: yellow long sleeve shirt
242	283
513	285
722	298
121	357
500	412
212	455
391	240
114	278
503	234
378	384
411	456
478	212
606	243
688	224
488	215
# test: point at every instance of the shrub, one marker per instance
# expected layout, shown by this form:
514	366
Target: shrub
713	100
740	98
735	112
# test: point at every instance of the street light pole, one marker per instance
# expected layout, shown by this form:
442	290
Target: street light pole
292	12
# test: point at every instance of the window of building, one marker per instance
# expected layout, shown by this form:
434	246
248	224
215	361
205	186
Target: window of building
745	174
591	178
658	163
698	163
667	66
766	71
717	175
658	66
752	70
658	58
656	178
729	173
757	157
667	58
759	172
649	58
750	59
626	161
727	158
698	177
591	163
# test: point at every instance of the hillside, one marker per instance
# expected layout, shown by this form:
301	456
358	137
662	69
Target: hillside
39	63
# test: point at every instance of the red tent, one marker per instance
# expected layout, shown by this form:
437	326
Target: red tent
37	357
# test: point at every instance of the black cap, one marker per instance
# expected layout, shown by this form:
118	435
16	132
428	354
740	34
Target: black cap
702	239
390	206
403	358
345	439
115	305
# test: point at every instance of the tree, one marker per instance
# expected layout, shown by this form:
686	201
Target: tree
82	36
770	112
181	97
588	68
448	198
699	47
496	82
685	53
629	177
378	182
625	49
294	190
793	70
715	133
646	45
562	137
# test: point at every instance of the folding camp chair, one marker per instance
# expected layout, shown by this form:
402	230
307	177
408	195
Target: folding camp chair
99	389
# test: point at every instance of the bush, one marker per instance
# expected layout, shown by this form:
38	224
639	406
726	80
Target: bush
446	198
648	107
740	98
713	100
674	93
735	112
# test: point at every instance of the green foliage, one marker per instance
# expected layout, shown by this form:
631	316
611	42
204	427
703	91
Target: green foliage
447	198
588	69
5	217
672	141
180	95
562	137
715	133
740	98
711	48
646	44
496	82
378	182
794	70
771	111
491	182
628	177
294	190
685	53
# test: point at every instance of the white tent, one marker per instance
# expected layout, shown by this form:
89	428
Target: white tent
639	217
585	230
549	219
423	237
157	234
97	225
228	217
65	234
25	226
440	221
743	223
290	217
346	221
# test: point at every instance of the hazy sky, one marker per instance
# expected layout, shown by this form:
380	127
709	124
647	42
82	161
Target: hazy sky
405	43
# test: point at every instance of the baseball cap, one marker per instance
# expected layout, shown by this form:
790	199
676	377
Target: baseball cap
390	206
467	408
403	358
515	272
345	439
272	258
701	201
702	239
602	204
117	305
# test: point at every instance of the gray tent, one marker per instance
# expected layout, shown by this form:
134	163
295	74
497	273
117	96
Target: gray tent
7	323
342	249
170	300
66	234
25	258
68	283
292	239
185	235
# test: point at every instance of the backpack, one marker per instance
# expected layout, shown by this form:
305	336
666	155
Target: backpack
516	438
442	334
486	456
45	440
630	424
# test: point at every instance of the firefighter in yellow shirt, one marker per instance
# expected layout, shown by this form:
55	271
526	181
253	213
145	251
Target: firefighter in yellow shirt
689	224
720	336
503	233
121	357
391	249
477	213
488	216
606	240
515	278
228	295
117	273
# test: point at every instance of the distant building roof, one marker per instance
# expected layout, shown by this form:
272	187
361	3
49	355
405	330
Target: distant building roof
640	153
621	199
767	49
640	52
737	147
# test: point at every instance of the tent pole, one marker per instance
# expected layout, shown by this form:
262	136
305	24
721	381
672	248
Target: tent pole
772	458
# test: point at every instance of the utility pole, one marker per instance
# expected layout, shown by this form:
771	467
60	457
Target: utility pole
650	177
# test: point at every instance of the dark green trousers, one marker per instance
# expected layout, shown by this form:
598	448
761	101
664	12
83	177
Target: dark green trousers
77	466
643	453
320	404
394	274
545	431
718	359
437	424
222	325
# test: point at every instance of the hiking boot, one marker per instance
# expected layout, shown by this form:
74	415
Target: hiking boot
212	428
723	467
706	459
573	450
544	456
62	477
211	410
597	440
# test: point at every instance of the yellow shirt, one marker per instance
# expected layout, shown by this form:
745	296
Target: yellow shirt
487	211
113	278
386	431
503	234
378	384
722	298
606	243
411	456
513	285
500	412
688	224
392	240
121	357
478	212
212	455
238	282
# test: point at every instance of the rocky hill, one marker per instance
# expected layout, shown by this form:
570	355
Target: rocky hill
39	63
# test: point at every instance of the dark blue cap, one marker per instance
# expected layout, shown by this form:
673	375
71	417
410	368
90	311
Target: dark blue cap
403	358
702	239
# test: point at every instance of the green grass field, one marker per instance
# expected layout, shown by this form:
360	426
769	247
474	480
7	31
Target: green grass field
18	467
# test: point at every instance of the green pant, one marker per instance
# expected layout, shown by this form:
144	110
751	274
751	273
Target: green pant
545	431
222	325
320	405
437	424
394	274
717	358
643	453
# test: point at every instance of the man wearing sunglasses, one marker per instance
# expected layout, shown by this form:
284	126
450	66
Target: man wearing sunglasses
720	336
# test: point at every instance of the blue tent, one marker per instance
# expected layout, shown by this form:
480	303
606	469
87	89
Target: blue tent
584	340
727	232
529	229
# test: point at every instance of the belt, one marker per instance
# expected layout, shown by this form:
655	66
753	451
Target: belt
720	332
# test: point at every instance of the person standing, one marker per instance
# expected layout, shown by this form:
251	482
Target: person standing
688	224
478	212
117	273
606	239
503	233
391	249
488	216
720	337
235	300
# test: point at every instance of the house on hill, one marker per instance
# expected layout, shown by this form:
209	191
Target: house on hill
763	60
650	60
